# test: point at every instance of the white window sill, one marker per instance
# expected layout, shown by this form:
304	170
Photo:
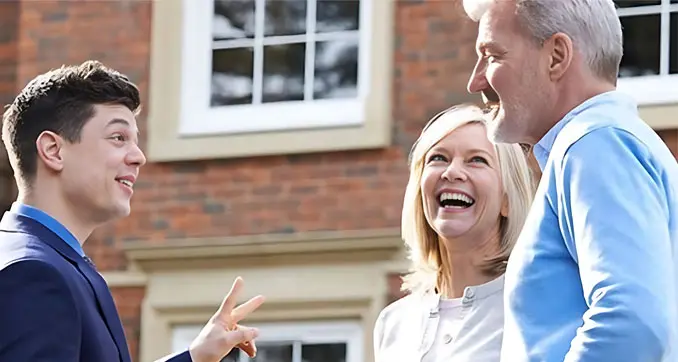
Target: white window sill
651	90
282	116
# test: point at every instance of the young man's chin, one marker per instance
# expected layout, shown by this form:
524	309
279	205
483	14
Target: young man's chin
123	209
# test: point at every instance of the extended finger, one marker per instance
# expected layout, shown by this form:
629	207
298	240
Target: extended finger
229	301
246	308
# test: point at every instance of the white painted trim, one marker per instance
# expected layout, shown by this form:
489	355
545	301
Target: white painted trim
272	117
125	278
651	90
197	118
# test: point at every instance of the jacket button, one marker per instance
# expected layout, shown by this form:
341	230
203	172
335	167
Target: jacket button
447	339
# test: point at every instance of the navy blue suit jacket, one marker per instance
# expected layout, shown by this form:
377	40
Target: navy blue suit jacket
54	306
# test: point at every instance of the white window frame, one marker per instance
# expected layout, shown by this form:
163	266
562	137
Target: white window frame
197	118
653	89
302	332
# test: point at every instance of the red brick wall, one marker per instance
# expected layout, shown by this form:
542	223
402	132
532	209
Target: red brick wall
351	190
128	301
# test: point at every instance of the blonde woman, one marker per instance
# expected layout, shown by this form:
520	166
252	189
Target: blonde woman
464	207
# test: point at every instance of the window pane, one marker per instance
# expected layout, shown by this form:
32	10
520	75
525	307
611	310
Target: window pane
273	353
336	69
673	62
337	15
285	17
232	76
641	45
324	352
284	72
632	3
233	19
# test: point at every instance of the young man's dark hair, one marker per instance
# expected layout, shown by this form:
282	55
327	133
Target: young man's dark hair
61	101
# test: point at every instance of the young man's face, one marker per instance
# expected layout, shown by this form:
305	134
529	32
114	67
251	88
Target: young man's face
99	172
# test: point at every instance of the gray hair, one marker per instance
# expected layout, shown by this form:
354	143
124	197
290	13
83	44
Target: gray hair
593	26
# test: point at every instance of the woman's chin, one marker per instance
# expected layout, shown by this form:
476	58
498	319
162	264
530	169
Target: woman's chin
452	229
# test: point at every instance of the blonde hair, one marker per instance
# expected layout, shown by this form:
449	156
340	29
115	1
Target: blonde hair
429	270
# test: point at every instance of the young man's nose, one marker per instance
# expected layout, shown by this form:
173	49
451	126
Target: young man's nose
136	156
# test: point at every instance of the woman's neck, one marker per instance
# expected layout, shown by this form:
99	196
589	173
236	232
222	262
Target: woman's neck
462	267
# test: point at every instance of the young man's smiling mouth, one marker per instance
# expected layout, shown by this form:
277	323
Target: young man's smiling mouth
126	181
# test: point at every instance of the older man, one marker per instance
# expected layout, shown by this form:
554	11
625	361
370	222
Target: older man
593	276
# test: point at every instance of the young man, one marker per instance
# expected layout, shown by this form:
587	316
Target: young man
72	140
594	274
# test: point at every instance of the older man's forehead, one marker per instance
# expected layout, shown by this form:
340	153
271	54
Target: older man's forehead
488	34
498	21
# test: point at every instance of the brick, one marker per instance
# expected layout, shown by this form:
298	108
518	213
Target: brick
670	137
128	302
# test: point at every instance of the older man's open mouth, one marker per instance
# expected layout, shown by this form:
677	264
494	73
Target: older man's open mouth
491	100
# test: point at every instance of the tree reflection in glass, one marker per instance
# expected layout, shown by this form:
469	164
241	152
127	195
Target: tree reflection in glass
336	69
233	19
284	72
285	17
280	61
232	76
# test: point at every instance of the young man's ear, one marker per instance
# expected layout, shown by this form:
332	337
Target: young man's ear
49	146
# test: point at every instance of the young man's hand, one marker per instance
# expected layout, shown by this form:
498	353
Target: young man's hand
222	332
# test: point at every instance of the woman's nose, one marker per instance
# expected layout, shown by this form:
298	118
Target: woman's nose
455	172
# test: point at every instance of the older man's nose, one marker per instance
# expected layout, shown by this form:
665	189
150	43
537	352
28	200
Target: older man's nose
477	82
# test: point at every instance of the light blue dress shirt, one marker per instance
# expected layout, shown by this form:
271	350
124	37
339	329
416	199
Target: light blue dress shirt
594	274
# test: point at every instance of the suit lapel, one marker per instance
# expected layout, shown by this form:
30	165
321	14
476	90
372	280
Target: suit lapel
106	307
104	299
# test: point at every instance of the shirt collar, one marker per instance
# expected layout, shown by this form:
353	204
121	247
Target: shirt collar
49	222
542	149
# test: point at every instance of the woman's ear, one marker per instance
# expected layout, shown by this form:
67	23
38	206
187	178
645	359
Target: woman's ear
49	146
504	206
